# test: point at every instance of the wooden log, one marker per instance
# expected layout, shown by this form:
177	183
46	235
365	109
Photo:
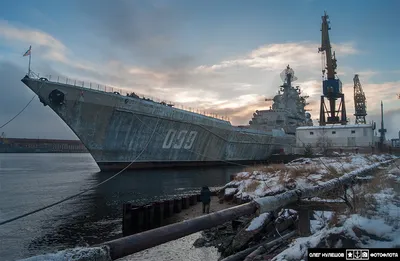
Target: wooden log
318	205
177	205
185	202
272	203
192	200
128	245
168	208
158	213
138	222
243	254
126	219
149	216
304	223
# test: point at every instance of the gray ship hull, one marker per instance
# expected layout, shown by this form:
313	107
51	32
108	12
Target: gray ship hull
119	131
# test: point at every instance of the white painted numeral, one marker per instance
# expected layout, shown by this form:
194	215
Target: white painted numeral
177	141
180	139
169	139
190	140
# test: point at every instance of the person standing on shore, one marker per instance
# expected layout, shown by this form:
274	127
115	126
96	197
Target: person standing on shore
205	196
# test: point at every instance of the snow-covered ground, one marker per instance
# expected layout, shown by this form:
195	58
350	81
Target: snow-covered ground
301	173
374	222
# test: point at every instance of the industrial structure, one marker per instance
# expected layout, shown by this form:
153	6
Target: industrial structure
332	86
359	102
21	145
396	142
382	130
336	137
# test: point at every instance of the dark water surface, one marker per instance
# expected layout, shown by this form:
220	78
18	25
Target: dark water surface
31	181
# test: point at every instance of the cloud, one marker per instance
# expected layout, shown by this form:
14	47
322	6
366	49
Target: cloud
48	46
137	29
44	46
234	87
274	57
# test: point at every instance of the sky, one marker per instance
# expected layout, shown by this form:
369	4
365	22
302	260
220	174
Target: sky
223	57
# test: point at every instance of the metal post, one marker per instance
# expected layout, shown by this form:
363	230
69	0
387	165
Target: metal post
29	65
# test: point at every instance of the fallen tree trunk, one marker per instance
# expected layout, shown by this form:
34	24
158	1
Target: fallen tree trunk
243	254
272	203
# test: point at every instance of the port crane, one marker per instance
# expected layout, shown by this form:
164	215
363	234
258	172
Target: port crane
331	85
359	102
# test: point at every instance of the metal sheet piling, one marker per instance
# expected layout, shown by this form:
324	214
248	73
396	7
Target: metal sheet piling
132	244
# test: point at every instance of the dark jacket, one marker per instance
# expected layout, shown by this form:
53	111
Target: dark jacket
205	195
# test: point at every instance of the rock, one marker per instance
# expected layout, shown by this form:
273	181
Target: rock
200	242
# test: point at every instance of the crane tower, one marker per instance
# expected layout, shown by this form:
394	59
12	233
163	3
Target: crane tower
332	87
359	102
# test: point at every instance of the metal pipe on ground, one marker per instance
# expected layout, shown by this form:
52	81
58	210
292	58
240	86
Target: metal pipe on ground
132	244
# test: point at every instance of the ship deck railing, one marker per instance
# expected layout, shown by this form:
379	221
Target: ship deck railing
124	92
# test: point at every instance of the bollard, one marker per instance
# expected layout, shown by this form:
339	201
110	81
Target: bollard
198	198
192	200
185	202
148	217
126	219
171	207
177	205
158	214
168	208
137	219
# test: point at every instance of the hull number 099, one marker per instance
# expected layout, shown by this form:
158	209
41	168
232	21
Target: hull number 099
177	140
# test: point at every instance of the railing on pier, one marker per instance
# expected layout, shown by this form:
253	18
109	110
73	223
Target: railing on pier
124	92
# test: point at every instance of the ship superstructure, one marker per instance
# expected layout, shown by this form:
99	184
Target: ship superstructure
287	111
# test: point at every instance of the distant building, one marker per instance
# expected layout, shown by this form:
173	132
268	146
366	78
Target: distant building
337	136
396	142
17	145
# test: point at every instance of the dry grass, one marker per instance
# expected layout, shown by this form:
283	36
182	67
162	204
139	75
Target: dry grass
302	171
240	178
276	167
335	219
252	186
347	159
253	168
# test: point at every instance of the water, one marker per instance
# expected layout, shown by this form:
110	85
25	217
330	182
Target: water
31	181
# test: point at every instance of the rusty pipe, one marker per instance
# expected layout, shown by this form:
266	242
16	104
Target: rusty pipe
132	244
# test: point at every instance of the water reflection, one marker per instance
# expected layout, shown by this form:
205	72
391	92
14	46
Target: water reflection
97	216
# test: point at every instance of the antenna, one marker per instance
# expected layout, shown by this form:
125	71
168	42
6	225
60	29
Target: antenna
287	75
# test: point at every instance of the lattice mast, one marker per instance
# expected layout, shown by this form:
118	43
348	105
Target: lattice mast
332	87
359	102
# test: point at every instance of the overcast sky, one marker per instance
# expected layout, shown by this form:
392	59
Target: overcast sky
223	57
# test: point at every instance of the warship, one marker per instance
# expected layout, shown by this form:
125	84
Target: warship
128	131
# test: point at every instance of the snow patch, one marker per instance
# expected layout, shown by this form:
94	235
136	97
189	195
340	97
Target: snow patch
258	222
